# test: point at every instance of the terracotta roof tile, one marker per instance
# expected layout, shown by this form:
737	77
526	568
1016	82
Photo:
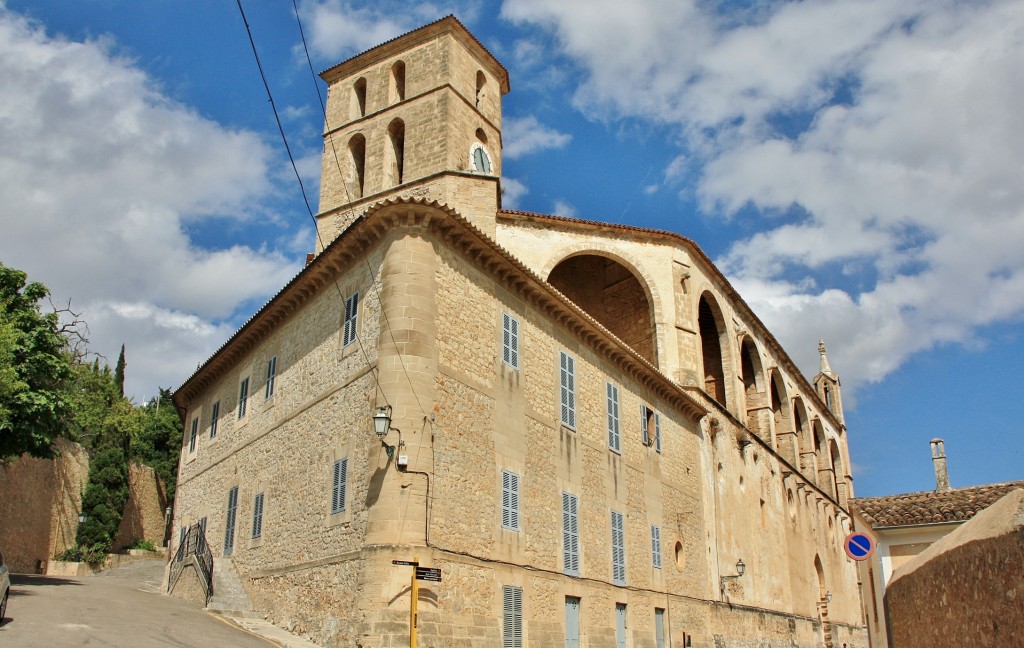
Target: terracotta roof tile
931	507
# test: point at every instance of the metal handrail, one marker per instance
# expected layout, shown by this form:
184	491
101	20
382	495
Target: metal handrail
193	544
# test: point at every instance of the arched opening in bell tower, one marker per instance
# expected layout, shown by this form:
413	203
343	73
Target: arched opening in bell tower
612	294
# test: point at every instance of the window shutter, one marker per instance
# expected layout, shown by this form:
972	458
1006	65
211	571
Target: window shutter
214	416
613	418
510	500
229	524
351	319
512	616
257	516
645	432
340	482
657	432
243	395
568	389
510	340
570	535
192	434
655	546
618	550
271	377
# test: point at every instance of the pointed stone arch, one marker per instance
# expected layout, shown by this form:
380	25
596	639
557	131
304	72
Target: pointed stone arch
801	434
782	429
714	348
755	395
357	164
839	473
395	155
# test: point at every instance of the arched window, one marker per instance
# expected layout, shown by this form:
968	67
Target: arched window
481	81
479	160
396	154
357	158
753	387
396	86
712	328
359	98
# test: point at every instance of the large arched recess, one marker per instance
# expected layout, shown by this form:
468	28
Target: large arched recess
714	345
612	294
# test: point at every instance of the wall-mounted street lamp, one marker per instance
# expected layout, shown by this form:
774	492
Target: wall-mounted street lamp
382	425
828	597
82	517
740	568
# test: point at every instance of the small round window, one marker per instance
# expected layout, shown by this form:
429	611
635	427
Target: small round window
479	160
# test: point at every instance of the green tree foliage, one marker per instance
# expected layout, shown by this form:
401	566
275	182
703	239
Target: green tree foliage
91	393
34	365
104	499
119	372
158	443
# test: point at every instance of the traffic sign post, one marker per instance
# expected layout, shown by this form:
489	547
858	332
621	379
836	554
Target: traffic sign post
859	546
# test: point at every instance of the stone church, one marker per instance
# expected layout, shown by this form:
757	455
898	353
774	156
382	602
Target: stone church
579	428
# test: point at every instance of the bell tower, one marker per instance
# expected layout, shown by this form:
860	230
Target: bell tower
418	116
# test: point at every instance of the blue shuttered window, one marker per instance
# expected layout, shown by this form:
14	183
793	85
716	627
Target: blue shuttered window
614	438
567	372
618	549
271	378
257	516
192	434
339	483
243	396
351	320
510	341
510	500
570	535
214	417
512	617
229	521
657	432
655	546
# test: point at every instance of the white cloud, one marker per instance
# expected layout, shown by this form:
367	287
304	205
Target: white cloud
875	138
562	208
512	191
101	177
524	135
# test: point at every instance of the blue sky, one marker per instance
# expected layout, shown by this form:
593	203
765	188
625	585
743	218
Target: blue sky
854	167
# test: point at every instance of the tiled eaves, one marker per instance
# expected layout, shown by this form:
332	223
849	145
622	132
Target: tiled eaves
931	507
457	232
398	43
671	237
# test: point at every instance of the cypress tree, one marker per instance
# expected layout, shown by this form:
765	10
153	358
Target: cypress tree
119	372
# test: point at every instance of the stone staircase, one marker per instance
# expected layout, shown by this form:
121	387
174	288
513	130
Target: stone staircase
229	597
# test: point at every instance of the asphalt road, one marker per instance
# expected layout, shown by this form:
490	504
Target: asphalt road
121	608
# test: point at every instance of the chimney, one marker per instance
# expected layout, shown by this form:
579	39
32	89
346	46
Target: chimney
939	459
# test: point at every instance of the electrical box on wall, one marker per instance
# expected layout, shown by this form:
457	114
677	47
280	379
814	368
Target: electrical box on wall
403	461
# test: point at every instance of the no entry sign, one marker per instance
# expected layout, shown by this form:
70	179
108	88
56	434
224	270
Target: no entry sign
859	546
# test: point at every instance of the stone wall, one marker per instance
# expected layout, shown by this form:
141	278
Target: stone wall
964	590
143	517
39	504
40	500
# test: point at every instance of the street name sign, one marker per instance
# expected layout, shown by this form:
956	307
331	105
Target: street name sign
407	563
432	574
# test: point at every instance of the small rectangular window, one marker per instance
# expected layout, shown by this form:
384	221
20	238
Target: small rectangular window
618	549
655	546
614	439
570	535
192	434
257	516
509	500
567	373
339	484
229	521
214	417
512	617
243	397
271	378
510	341
348	335
650	426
